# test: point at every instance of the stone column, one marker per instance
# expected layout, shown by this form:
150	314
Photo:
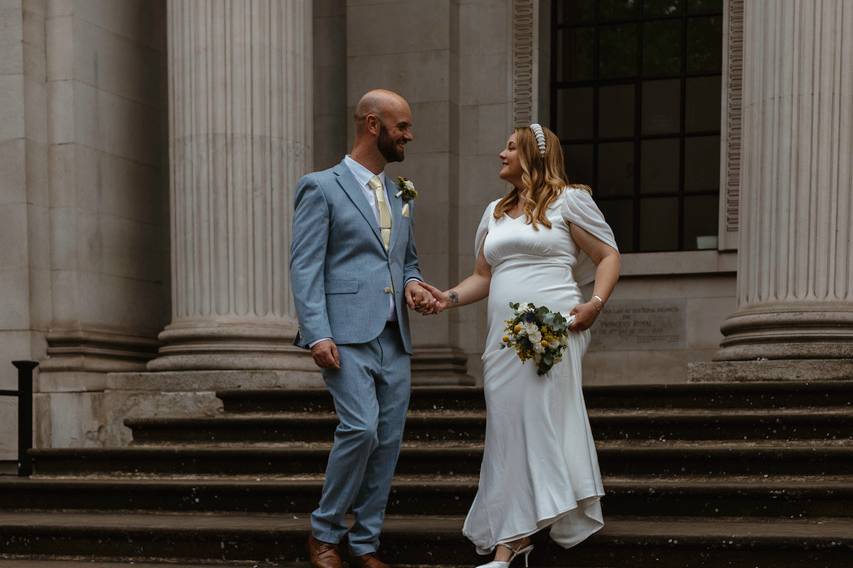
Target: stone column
795	266
240	108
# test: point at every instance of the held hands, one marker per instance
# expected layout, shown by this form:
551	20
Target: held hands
440	300
585	315
419	298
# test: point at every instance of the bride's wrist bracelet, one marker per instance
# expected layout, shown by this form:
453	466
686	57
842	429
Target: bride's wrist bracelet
600	305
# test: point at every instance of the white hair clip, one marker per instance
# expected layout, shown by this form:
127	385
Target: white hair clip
540	137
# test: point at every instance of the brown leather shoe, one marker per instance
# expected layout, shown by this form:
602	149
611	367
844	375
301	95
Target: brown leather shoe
367	561
323	554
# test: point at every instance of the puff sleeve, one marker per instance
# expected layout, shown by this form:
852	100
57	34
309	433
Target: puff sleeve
580	209
483	229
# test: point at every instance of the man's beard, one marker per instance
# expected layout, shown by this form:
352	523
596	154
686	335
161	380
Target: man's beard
388	147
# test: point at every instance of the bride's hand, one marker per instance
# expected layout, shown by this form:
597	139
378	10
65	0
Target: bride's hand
442	299
585	315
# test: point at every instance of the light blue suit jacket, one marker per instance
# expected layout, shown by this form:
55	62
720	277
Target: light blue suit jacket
340	273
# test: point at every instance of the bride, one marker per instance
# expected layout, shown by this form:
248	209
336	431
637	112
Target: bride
537	244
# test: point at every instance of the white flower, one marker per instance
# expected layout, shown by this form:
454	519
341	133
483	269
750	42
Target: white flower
408	185
537	347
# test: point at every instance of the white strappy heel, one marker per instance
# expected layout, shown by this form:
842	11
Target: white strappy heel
520	552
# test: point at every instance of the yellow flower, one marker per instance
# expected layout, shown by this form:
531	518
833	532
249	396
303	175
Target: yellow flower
544	343
506	339
518	327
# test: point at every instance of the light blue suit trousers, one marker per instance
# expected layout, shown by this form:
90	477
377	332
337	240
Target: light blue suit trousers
371	393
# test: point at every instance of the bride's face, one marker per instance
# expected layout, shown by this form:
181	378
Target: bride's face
510	164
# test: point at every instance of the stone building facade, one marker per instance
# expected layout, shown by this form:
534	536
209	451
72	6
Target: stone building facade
149	148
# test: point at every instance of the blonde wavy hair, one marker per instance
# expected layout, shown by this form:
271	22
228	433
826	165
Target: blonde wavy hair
543	178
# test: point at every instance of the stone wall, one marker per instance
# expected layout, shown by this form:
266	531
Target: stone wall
24	254
92	273
666	312
330	83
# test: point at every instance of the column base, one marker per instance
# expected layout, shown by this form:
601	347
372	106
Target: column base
230	345
788	331
87	350
440	366
771	370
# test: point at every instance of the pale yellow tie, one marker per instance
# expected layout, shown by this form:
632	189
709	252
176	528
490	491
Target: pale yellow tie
384	211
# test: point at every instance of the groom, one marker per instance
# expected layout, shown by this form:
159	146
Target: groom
352	261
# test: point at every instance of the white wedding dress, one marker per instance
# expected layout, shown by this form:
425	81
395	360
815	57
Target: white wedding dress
539	466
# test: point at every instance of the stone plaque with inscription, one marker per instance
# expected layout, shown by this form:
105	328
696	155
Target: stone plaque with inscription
633	325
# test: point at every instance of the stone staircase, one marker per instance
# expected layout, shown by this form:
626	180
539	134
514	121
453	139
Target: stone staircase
697	475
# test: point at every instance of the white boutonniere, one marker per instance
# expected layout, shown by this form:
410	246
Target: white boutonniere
407	191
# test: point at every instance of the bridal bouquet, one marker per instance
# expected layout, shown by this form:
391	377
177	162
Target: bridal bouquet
537	333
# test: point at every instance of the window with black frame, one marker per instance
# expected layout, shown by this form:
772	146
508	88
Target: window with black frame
635	99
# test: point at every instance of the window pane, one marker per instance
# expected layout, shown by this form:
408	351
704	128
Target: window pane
662	48
699	6
574	54
620	216
619	9
703	104
702	163
700	221
617	51
662	7
579	165
661	100
704	45
616	111
660	166
574	112
616	169
659	224
575	11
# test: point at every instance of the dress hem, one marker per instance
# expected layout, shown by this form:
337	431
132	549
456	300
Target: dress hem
545	523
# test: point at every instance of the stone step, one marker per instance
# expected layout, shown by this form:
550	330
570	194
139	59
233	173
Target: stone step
615	457
662	542
795	497
298	427
673	424
10	562
66	563
769	394
319	400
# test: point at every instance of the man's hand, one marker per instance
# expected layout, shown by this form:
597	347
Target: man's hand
419	298
441	300
585	315
326	355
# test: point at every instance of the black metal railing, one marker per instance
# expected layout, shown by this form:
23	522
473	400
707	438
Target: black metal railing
25	414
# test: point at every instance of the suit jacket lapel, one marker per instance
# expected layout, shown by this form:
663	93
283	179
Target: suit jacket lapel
350	186
396	210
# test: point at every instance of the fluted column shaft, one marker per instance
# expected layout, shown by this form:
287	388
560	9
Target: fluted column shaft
795	271
240	105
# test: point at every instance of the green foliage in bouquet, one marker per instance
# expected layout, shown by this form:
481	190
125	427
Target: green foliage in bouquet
536	333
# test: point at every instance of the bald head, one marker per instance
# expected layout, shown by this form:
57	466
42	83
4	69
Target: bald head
380	103
383	125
